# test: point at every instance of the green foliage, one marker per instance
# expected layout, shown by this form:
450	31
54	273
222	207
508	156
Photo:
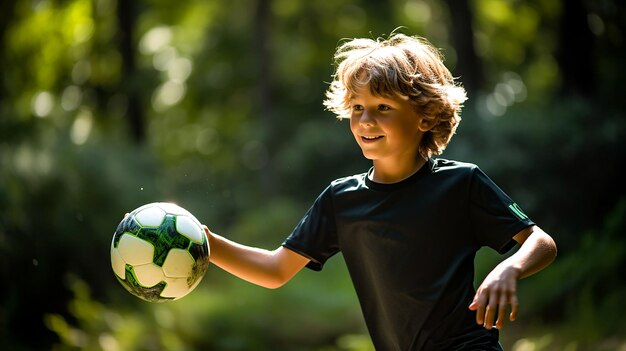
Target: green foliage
589	289
237	316
574	149
577	296
61	207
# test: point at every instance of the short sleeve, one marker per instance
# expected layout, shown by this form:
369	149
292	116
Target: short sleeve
495	217
315	236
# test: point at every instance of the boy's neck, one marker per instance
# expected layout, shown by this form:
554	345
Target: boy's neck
387	174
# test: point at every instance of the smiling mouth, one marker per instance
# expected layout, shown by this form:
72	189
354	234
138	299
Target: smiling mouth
371	138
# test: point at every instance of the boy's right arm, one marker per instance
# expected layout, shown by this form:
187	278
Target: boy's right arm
270	269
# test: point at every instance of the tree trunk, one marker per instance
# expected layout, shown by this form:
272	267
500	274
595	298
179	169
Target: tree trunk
575	52
127	17
264	85
6	15
468	66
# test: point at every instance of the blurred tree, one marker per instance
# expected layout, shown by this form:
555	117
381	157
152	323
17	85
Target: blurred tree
6	15
263	59
575	51
468	67
127	22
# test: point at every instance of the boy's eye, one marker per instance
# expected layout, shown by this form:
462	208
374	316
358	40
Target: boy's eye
383	108
357	107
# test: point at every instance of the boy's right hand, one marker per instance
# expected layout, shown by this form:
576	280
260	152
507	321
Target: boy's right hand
209	235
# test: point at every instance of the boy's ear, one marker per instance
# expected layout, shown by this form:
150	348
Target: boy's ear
425	124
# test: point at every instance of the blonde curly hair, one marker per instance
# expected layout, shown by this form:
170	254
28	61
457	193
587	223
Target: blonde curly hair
401	65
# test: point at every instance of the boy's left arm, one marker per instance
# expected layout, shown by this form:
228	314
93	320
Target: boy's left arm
499	288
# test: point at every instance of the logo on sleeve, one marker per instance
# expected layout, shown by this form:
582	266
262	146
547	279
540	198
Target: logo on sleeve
517	212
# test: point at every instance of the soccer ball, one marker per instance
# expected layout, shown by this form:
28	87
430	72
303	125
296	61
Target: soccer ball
159	252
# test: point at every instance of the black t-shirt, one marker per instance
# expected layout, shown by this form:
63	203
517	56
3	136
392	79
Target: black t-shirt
410	247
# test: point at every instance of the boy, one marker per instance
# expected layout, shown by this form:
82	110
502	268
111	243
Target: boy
408	228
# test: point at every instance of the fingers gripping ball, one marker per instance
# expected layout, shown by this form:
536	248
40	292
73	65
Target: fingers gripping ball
159	252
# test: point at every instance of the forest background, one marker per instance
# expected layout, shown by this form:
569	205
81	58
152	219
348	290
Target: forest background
107	105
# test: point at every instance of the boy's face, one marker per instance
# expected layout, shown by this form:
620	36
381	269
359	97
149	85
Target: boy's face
386	129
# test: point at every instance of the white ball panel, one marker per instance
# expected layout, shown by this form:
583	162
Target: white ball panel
173	208
176	288
117	262
149	274
135	251
178	264
189	228
150	216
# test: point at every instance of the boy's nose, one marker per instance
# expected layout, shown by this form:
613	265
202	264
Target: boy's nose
366	118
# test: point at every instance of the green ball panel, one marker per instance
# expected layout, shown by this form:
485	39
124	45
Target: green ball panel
199	252
164	238
201	255
127	225
150	294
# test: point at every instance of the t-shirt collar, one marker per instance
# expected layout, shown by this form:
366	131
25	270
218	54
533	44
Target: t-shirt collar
426	168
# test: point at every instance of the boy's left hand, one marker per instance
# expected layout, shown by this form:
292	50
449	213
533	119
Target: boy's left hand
498	290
